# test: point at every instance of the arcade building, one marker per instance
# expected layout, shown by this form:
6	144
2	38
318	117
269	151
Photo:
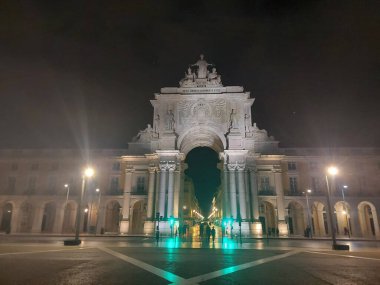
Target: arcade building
265	189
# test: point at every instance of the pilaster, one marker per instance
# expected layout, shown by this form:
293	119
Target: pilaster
152	174
124	224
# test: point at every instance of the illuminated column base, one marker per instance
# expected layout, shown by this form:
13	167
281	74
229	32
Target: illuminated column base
165	230
245	230
282	229
149	228
124	227
256	229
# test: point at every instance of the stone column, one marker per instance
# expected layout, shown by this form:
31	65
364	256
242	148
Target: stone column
162	192
37	222
242	196
124	225
58	220
102	219
149	213
15	219
355	224
170	191
226	198
177	189
233	205
248	195
282	227
254	196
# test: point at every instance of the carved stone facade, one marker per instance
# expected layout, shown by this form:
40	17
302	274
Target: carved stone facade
262	188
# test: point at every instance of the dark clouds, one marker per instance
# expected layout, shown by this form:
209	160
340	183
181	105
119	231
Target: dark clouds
73	72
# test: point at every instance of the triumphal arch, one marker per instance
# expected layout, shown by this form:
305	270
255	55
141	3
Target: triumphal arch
201	112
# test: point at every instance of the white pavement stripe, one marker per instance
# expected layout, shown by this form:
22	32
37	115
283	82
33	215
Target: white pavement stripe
235	268
159	272
39	251
342	255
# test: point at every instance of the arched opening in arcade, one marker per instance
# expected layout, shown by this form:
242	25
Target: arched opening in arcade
296	219
26	217
319	219
68	219
6	218
48	218
342	218
202	170
268	218
138	217
368	220
112	221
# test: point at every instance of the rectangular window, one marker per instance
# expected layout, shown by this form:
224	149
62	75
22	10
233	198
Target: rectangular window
293	185
313	165
55	166
140	184
316	184
264	183
32	184
52	184
114	184
116	166
362	183
292	165
11	184
34	166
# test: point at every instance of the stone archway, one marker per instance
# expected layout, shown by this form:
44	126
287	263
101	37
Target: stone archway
112	221
138	217
26	217
319	219
6	218
268	218
368	220
48	218
342	218
201	137
296	219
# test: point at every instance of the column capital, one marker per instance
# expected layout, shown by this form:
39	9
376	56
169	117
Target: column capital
152	169
129	169
276	169
231	166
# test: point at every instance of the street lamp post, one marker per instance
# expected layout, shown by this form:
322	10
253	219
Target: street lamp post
310	226
332	170
88	173
67	186
98	209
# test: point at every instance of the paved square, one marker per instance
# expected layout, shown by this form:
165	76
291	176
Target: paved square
123	261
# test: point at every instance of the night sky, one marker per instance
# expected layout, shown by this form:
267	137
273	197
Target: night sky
78	73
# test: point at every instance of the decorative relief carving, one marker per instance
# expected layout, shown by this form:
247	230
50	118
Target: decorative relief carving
202	111
238	165
167	165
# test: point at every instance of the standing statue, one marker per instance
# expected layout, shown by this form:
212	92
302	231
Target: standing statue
157	123
233	120
202	67
170	120
247	122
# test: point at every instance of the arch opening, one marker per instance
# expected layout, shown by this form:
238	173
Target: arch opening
203	171
112	222
201	137
6	218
